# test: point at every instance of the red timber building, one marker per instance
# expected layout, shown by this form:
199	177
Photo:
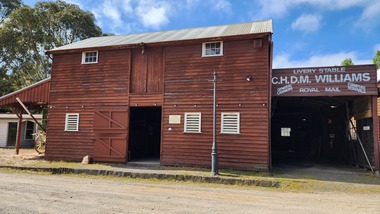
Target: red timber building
150	95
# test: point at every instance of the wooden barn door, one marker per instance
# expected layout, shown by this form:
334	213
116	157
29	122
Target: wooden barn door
111	133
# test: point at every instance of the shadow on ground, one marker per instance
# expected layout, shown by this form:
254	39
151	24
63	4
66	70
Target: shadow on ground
325	172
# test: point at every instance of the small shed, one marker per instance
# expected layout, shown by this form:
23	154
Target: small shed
8	130
35	97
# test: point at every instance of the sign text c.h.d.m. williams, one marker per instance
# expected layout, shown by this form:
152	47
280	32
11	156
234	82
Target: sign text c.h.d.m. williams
325	81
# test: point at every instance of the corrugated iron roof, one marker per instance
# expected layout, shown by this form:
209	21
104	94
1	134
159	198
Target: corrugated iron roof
35	94
247	28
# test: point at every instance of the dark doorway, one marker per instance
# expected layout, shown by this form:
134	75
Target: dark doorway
12	132
144	133
311	129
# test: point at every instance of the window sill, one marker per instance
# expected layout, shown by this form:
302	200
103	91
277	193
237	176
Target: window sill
89	63
230	133
212	55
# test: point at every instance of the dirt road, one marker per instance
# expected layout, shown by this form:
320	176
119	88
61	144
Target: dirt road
42	193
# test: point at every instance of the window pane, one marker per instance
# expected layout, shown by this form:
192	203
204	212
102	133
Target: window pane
213	48
90	57
29	130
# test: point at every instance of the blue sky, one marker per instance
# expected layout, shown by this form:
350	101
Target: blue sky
306	32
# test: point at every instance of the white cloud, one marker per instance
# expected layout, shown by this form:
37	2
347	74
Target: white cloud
222	5
277	9
192	3
307	23
108	13
152	13
154	17
285	61
127	7
370	17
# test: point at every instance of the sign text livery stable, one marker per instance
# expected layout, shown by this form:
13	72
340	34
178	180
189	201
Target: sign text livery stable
325	81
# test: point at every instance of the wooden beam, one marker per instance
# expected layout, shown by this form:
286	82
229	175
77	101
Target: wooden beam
376	149
30	114
19	124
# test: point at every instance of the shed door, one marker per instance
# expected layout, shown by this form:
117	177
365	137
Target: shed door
111	127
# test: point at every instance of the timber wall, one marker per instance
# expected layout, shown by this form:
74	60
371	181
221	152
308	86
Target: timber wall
188	89
82	88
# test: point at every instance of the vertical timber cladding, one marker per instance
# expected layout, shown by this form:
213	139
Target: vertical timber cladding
146	85
83	88
147	70
188	88
355	80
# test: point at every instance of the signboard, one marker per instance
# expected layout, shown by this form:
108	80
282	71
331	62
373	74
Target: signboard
324	81
174	119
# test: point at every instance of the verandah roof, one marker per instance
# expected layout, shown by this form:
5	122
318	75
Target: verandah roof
33	95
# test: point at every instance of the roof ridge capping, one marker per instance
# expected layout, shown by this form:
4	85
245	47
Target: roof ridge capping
244	28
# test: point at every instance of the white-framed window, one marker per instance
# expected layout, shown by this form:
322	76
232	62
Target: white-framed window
72	122
285	131
29	130
212	49
192	122
230	123
89	57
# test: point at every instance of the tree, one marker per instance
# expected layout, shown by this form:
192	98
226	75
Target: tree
347	62
7	7
28	32
376	59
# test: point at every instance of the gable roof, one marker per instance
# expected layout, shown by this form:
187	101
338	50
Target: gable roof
247	28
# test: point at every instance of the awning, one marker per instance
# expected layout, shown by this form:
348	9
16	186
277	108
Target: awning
36	94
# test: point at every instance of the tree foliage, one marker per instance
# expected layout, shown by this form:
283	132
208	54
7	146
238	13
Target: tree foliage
28	32
347	62
7	7
376	59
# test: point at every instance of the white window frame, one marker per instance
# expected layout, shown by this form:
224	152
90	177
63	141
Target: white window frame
225	123
75	122
190	123
286	131
84	57
204	54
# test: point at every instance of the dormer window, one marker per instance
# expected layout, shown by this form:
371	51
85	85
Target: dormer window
212	49
89	57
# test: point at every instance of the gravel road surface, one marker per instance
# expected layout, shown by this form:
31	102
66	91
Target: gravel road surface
22	192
